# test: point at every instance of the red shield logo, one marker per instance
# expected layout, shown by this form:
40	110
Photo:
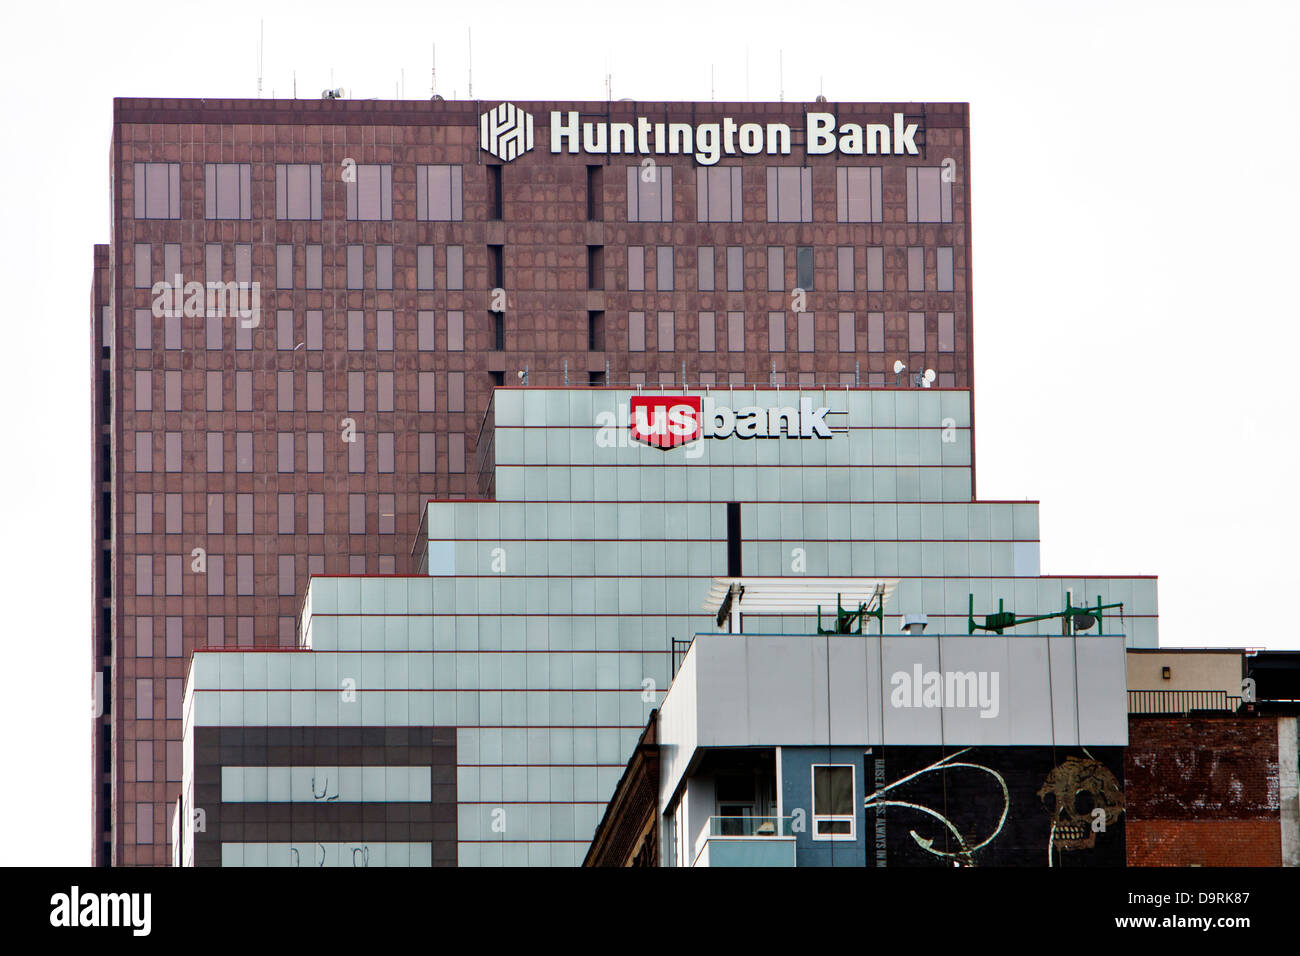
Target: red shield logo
665	421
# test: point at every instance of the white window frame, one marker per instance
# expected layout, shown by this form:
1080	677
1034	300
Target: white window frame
818	818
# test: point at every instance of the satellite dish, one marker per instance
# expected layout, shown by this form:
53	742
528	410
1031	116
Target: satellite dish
521	376
1083	622
927	378
898	366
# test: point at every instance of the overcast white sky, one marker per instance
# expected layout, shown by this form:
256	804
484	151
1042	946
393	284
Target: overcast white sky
1134	233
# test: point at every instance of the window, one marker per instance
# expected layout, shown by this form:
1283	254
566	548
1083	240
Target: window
426	332
708	331
834	811
143	391
284	512
356	514
316	514
735	269
595	193
212	262
357	454
387	514
370	194
649	194
875	331
286	575
595	331
174	642
664	323
428	453
356	268
496	192
283	391
596	267
915	269
144	637
172	515
455	331
356	330
438	194
916	331
215	452
386	452
244	574
844	267
315	452
704	265
384	330
171	261
172	451
718	194
944	258
144	514
143	451
227	191
455	267
789	194
497	265
424	267
144	823
314	268
929	196
144	575
875	269
143	329
635	269
775	268
735	331
216	513
284	267
383	267
315	330
807	326
776	331
858	197
144	266
297	191
243	513
664	269
384	397
456	453
947	334
426	383
848	332
157	190
804	275
243	451
636	331
284	453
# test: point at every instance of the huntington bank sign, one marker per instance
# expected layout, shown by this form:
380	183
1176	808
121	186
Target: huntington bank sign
667	421
506	132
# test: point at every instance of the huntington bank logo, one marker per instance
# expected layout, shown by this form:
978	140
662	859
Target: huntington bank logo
506	132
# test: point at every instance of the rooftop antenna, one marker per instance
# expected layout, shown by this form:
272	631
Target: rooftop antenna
295	84
469	32
433	71
609	86
780	73
402	73
261	32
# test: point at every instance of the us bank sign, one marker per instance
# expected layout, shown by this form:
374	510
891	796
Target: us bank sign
667	421
506	132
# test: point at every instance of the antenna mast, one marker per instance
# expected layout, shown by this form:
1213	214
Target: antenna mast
469	31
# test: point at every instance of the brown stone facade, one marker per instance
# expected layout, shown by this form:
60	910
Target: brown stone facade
1203	791
223	477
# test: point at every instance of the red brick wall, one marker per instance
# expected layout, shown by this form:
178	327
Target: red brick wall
1202	790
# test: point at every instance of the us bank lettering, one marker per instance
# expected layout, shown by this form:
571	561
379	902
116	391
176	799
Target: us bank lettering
666	422
710	142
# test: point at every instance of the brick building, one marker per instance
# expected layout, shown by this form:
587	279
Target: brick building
294	428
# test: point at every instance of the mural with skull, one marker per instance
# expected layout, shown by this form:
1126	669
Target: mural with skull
994	806
1083	799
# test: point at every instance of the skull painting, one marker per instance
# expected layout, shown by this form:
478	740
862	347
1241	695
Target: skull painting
1077	788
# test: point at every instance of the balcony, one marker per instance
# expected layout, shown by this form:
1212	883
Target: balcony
747	841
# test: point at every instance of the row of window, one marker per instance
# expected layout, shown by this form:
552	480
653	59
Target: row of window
285	391
287	445
311	263
453	332
848	267
213	577
286	511
440	192
660	327
215	633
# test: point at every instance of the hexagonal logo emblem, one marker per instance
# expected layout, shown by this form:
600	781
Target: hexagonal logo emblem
506	132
